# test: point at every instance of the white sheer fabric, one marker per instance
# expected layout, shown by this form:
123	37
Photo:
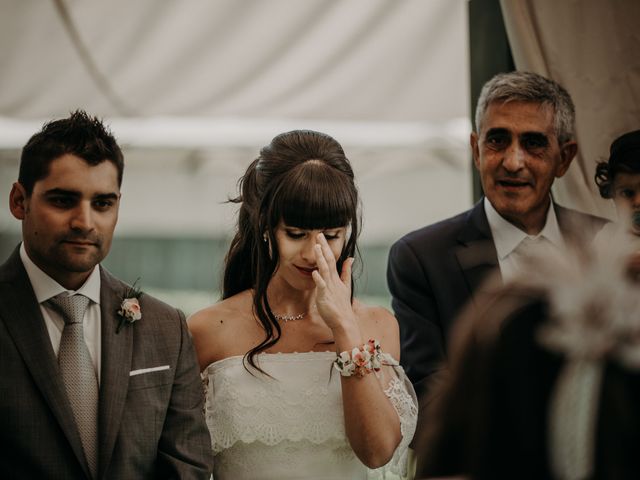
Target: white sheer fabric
292	425
312	59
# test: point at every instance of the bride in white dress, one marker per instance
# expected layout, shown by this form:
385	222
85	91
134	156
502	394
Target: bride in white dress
278	404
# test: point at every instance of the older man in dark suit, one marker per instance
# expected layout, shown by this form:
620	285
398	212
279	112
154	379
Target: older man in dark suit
524	140
96	381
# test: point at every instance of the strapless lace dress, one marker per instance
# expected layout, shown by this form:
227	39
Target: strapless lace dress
291	426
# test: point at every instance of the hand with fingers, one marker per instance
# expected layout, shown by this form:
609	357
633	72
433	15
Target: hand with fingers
333	290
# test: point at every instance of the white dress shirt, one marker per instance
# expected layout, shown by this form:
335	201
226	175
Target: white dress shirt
46	287
507	237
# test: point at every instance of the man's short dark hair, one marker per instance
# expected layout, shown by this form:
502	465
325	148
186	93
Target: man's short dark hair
80	134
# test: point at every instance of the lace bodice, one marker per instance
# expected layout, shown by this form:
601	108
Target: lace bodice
291	425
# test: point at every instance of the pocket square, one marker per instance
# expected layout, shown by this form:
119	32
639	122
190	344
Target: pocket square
142	371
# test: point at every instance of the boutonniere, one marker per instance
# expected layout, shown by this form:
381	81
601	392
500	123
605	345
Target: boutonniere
129	311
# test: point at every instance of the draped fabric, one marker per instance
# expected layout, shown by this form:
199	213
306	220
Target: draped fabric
591	48
324	59
198	87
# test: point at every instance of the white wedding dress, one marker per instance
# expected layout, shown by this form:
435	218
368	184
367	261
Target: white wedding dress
291	426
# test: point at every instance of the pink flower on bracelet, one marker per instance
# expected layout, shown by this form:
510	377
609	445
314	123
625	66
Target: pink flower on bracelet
361	360
361	357
344	364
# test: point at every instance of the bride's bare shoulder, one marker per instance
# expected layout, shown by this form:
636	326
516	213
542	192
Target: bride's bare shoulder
379	323
214	315
218	328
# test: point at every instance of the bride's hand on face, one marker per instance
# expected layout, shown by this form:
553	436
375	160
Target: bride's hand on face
333	291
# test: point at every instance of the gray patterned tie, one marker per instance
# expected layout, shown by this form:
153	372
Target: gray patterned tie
78	373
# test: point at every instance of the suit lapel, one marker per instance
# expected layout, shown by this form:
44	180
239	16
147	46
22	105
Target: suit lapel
21	314
476	253
117	350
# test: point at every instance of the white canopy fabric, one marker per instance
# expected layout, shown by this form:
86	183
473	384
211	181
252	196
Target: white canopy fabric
382	60
193	89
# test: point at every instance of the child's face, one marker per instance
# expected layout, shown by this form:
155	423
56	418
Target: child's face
626	195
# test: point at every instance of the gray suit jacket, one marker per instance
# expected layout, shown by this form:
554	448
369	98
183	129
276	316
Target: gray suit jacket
435	271
150	425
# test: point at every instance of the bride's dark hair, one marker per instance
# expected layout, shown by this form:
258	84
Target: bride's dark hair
303	179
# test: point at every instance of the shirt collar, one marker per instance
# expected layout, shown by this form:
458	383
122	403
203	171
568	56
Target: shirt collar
506	236
46	287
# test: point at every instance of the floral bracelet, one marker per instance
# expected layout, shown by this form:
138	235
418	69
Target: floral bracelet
361	360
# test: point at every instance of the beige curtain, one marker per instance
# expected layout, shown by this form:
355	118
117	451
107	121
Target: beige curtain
592	48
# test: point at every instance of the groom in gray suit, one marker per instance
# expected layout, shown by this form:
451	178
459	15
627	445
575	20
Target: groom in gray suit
96	381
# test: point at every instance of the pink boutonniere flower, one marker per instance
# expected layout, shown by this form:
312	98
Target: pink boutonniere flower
130	308
130	311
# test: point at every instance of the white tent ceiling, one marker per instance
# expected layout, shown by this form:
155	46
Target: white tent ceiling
198	86
384	60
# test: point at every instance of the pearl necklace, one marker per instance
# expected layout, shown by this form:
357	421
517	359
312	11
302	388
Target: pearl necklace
289	318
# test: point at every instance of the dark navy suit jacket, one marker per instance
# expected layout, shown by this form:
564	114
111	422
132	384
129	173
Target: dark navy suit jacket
435	271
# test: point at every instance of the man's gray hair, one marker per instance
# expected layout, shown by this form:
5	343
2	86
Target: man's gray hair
530	87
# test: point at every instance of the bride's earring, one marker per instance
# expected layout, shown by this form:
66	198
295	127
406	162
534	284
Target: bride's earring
265	239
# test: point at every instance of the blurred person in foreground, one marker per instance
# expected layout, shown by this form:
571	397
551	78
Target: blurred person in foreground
96	380
302	378
524	140
545	375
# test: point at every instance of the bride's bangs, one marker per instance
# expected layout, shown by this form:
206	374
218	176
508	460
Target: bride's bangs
315	197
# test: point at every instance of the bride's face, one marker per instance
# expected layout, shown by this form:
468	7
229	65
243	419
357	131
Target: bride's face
296	249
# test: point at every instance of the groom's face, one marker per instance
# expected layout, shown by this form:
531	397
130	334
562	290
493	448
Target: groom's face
69	218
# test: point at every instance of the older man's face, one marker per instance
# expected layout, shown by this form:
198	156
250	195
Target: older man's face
518	156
